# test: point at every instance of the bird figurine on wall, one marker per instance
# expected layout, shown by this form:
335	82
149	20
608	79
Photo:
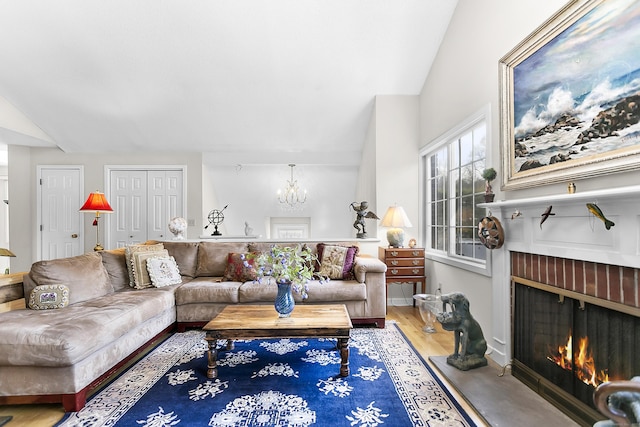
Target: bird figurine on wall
597	212
546	214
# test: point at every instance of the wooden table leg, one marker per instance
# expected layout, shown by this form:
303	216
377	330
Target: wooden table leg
212	359
343	346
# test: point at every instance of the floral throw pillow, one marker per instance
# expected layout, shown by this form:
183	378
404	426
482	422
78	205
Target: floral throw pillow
46	297
239	268
336	262
163	271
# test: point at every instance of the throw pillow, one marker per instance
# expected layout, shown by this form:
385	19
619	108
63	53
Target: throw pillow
163	271
132	249
141	279
336	262
46	297
237	270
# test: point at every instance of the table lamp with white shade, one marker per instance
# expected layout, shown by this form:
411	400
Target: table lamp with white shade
396	219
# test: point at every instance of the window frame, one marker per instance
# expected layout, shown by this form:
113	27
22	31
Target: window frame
449	256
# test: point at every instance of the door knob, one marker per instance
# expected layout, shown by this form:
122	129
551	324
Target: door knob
74	236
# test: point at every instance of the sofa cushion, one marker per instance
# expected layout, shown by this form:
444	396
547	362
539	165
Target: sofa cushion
212	257
65	337
239	268
115	263
163	271
335	291
129	250
202	290
84	275
186	256
264	290
46	297
141	279
336	261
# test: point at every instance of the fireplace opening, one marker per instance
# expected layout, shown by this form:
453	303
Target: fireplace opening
565	348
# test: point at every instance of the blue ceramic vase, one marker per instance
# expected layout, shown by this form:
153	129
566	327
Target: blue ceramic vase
284	300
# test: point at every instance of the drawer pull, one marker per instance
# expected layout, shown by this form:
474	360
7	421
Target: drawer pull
394	271
416	262
415	271
394	253
416	253
394	262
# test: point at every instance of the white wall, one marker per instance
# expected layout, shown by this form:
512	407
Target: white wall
22	190
396	171
249	190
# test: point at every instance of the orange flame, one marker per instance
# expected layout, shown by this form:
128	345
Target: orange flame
585	366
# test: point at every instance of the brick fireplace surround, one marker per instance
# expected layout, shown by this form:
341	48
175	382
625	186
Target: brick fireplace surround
612	283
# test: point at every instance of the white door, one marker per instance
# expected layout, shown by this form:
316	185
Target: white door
61	223
164	202
128	194
143	202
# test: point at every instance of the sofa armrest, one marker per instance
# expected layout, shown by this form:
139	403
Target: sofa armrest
364	265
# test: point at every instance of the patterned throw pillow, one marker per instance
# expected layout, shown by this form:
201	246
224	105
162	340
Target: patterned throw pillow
132	249
141	279
45	297
237	271
163	271
336	262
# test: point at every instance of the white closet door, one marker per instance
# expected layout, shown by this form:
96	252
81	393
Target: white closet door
61	224
164	201
143	202
128	198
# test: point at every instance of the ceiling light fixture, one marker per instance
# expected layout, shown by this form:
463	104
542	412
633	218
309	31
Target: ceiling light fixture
291	194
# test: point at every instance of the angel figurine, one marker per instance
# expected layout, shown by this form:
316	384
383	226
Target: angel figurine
362	212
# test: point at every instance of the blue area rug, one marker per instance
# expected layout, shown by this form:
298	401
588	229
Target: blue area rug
279	382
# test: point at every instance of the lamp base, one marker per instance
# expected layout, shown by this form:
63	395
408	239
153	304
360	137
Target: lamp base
98	247
395	236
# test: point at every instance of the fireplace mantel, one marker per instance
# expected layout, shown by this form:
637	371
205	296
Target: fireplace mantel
572	231
619	193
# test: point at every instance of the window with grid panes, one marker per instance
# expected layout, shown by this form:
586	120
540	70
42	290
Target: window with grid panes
453	187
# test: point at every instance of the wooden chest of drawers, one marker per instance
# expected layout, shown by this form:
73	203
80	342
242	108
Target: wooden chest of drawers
404	265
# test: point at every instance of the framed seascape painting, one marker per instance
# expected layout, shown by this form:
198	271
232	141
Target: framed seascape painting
570	96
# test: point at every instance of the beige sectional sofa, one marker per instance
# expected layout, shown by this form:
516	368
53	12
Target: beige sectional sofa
59	355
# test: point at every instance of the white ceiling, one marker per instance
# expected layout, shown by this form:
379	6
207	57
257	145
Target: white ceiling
252	76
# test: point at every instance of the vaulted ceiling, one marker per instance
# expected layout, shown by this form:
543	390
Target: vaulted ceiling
254	76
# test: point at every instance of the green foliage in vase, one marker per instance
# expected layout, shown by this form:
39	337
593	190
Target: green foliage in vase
294	264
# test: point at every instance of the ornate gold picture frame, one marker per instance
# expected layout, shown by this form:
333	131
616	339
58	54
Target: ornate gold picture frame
570	96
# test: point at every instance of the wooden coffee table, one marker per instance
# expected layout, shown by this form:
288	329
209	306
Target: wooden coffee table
262	321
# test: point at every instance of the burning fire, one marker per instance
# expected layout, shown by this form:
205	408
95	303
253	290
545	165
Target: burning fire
584	366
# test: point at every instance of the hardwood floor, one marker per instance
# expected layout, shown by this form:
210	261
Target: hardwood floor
407	317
